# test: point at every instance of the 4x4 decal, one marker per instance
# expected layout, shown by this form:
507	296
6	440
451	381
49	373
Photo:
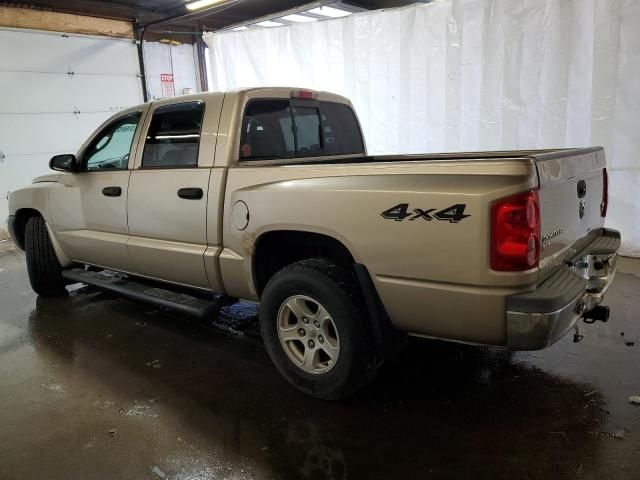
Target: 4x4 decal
452	214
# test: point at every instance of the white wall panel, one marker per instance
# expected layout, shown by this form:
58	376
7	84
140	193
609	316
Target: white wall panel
45	134
52	93
469	75
38	97
56	52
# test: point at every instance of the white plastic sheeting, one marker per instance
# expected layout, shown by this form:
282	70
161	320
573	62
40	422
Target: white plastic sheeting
178	60
470	75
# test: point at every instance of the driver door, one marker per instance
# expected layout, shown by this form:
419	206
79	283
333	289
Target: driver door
89	208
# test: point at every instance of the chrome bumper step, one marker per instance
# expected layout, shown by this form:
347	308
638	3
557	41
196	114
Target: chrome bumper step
538	318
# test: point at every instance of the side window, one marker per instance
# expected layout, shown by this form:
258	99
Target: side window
267	130
173	137
111	147
342	135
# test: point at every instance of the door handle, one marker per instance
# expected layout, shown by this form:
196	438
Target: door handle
112	191
190	193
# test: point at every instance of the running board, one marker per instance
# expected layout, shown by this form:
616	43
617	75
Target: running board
181	302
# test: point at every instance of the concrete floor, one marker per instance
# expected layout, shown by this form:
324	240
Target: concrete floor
93	386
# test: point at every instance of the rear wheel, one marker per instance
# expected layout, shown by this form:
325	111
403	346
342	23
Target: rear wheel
312	323
45	272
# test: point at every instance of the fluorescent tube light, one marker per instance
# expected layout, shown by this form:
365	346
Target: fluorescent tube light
298	18
269	23
329	12
198	4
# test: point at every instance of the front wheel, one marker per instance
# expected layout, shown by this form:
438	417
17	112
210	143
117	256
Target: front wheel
45	272
313	326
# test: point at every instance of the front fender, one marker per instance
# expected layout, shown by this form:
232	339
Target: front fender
33	197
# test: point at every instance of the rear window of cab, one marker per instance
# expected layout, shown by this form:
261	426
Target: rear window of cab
283	128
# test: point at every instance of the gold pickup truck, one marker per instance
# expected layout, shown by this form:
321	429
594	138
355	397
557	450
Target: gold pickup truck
268	195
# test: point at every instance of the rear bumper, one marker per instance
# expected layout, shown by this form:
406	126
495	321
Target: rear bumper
539	318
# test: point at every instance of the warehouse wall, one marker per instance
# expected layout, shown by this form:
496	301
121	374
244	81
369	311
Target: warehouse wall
470	75
58	87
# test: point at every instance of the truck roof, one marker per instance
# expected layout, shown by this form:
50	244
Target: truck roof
258	92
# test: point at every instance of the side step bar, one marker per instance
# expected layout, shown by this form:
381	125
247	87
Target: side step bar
181	302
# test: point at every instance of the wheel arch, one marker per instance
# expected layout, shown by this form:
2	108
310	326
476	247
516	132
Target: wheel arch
291	246
22	216
275	249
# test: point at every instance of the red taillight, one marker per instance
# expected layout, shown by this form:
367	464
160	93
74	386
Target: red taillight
605	193
304	94
515	232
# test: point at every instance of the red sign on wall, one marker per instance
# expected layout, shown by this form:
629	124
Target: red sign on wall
166	80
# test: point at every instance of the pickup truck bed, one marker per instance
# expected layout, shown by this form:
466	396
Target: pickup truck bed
422	157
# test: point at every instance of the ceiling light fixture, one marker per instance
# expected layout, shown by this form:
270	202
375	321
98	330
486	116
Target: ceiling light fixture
331	12
298	18
269	23
198	4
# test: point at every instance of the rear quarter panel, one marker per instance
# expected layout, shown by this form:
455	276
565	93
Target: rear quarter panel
422	269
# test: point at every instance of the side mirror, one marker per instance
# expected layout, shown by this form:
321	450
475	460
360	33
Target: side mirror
63	163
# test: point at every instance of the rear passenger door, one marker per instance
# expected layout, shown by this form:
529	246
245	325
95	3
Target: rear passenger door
167	204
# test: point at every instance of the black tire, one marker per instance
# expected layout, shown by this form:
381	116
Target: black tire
45	272
337	290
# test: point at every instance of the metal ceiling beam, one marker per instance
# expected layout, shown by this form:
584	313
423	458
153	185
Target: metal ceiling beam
93	8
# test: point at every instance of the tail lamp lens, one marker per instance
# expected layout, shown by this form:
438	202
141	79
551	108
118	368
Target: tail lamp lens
515	232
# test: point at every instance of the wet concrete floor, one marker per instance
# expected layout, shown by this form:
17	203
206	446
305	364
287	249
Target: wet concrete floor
93	386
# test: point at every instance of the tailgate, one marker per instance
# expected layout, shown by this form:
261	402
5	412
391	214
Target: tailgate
571	195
